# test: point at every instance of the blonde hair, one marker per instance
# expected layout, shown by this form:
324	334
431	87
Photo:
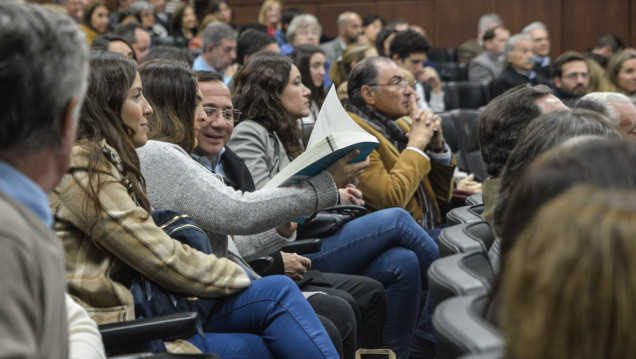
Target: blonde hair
341	69
568	288
262	14
614	68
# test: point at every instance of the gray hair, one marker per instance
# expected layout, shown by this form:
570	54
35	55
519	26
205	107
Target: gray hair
535	25
43	65
605	100
364	73
512	42
302	20
216	31
486	20
137	7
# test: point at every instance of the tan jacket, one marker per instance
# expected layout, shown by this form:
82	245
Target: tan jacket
393	178
100	259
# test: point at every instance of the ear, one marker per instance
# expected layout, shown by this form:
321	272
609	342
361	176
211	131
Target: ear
557	82
396	58
368	95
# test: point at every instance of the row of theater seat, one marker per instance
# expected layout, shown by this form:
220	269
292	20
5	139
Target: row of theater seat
460	132
460	282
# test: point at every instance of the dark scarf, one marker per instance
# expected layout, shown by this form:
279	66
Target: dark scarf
387	127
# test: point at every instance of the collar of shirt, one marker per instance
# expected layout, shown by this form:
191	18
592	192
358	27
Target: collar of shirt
26	192
215	167
528	74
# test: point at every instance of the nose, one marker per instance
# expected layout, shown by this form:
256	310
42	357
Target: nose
147	109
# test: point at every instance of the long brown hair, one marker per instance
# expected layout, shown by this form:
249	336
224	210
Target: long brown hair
257	89
111	76
569	284
171	89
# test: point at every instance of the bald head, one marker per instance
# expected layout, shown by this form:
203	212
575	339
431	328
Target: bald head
349	27
618	109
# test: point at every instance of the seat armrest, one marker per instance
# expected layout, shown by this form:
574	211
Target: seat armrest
166	327
262	265
304	246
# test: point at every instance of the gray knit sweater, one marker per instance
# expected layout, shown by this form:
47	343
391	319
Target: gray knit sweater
175	181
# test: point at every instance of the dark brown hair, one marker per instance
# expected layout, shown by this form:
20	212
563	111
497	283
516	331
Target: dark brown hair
302	59
171	89
111	76
257	89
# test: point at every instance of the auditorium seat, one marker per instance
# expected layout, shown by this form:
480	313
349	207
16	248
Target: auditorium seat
460	328
471	94
475	199
466	121
465	237
438	55
465	214
452	71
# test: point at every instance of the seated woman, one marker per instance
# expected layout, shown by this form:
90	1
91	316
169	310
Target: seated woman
310	61
385	245
568	289
175	122
102	215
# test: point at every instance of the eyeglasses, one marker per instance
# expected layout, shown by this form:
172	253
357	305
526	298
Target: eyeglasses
575	75
230	115
402	84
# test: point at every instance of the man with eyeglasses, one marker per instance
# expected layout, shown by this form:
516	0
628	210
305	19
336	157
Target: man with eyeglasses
413	171
571	76
412	167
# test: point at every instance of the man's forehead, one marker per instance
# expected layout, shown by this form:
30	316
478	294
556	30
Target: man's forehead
215	91
576	65
388	70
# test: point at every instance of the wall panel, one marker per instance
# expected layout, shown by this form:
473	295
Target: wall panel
456	20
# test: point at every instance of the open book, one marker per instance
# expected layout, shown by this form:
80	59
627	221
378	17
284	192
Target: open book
334	135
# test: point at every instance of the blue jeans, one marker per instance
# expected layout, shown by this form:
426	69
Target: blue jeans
274	309
389	246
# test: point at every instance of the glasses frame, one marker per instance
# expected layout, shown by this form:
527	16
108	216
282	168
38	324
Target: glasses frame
213	111
402	85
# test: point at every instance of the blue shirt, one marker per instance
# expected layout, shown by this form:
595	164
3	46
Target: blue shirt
214	167
23	190
200	64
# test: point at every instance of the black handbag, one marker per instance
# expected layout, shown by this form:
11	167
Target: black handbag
327	221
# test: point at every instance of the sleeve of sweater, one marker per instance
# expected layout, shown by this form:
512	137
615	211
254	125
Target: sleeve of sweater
85	342
174	180
126	230
261	244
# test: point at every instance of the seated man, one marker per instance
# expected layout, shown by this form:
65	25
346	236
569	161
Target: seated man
500	126
474	47
571	76
519	55
37	127
414	172
618	109
489	65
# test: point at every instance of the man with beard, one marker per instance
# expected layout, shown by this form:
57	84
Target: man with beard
571	76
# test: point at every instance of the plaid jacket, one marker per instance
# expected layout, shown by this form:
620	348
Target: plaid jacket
101	258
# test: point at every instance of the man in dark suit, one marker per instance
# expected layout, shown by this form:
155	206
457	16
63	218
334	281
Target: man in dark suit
349	30
519	55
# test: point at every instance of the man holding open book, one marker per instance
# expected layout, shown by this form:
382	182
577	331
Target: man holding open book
412	167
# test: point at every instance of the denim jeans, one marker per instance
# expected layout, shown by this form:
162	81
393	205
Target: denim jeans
388	246
274	309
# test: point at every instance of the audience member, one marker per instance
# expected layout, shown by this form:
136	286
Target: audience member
340	70
183	25
103	217
170	53
474	47
37	128
538	33
489	64
219	50
408	50
114	43
606	47
519	56
621	73
617	108
399	25
252	41
500	126
271	16
349	30
598	81
310	62
161	16
371	26
337	308
383	41
414	172
74	8
304	29
138	38
144	13
571	76
222	10
267	127
94	21
579	245
118	14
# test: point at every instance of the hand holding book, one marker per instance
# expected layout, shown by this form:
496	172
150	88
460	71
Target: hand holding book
344	172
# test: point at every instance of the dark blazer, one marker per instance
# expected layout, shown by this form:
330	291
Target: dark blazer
332	50
511	78
236	171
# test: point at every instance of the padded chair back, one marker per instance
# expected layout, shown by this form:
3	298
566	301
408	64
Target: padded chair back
467	121
307	128
451	135
452	71
475	199
464	238
471	94
462	215
440	55
461	329
459	274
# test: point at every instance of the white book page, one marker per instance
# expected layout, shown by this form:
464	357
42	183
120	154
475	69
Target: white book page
332	118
